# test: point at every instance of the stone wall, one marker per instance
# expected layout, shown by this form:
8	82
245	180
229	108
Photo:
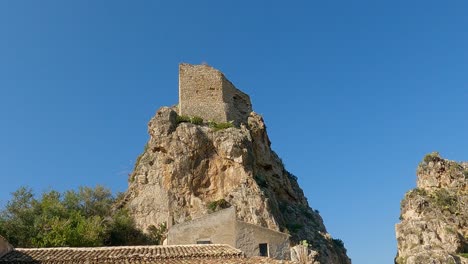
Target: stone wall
250	236
218	227
205	92
222	228
238	105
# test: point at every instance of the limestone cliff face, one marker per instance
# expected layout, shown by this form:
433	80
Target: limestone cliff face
5	247
434	216
186	167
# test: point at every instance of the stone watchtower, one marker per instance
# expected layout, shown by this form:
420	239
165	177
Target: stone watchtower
205	92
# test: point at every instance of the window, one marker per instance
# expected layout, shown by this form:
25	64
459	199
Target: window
263	248
204	241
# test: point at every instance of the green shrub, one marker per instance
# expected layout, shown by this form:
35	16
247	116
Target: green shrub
455	169
450	230
140	156
444	200
261	181
131	177
306	211
157	234
400	260
182	119
294	227
411	194
291	176
434	156
339	243
416	192
465	255
218	205
196	120
77	218
220	126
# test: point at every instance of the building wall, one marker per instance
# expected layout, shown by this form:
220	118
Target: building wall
249	237
205	92
222	228
218	227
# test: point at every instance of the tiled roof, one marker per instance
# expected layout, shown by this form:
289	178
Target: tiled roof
264	260
136	254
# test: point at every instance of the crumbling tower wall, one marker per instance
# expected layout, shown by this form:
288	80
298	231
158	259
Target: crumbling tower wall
205	92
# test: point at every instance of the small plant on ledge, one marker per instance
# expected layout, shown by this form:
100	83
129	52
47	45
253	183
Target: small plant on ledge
434	156
220	126
182	119
196	120
218	205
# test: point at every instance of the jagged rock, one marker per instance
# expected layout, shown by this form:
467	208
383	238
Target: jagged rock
5	247
434	216
186	166
303	255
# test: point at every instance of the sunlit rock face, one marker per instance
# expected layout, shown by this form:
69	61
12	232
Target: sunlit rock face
5	247
189	164
434	216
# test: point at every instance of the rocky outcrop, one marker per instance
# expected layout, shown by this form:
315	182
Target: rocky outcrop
187	167
434	216
5	247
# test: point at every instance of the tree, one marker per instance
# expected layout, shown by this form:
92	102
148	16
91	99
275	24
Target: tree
157	234
74	218
18	219
122	231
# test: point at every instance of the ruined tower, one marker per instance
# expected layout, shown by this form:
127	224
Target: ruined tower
205	92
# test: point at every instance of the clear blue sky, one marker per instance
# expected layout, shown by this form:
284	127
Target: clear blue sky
354	93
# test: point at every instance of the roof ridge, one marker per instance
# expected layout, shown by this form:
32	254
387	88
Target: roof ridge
126	247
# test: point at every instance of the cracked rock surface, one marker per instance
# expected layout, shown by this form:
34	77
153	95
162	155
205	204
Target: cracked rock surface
434	216
186	166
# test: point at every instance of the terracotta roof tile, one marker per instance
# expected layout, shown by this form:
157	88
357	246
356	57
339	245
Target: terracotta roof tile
135	254
178	254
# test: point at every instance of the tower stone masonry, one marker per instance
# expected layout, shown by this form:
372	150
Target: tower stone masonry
205	92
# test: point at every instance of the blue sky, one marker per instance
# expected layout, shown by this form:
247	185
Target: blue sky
354	93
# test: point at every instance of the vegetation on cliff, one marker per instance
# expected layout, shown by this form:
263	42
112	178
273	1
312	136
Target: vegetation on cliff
434	216
191	168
